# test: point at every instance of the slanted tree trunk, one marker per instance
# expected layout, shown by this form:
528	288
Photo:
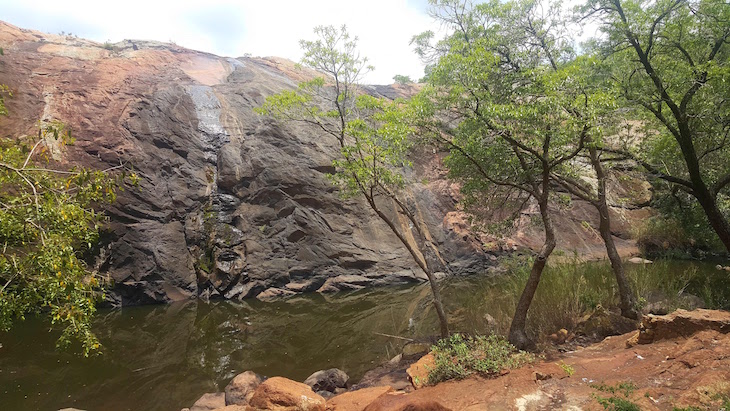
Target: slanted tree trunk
419	258
517	335
627	301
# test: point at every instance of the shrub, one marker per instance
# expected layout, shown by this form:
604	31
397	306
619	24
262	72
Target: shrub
458	356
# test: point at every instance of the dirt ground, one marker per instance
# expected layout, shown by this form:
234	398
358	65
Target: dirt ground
683	360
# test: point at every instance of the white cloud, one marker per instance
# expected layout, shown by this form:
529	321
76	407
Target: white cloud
233	28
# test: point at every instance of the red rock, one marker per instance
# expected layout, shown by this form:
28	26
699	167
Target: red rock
356	400
418	372
278	393
403	403
682	323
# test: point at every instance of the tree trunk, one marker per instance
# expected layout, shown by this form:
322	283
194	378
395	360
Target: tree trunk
684	136
419	258
517	335
717	220
627	301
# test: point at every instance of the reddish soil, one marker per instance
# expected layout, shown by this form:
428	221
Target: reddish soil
678	370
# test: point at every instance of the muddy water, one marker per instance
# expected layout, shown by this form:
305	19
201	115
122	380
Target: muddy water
165	357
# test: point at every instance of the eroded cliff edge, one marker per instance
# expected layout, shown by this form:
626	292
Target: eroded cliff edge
230	204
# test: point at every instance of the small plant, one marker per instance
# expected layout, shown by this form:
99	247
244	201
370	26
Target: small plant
568	369
108	45
458	356
615	402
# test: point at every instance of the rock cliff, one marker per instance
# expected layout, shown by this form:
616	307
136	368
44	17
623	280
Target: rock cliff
230	204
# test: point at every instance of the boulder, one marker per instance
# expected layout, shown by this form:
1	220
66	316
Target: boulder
241	388
210	401
356	400
402	403
416	348
327	380
278	393
659	303
602	323
418	372
681	323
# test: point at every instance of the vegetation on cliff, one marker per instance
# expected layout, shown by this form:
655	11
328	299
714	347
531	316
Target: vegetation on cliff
48	226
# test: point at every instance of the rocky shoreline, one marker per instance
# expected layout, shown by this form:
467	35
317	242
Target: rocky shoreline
680	359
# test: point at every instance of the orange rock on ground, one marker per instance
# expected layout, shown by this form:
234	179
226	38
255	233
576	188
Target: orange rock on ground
418	372
356	400
278	393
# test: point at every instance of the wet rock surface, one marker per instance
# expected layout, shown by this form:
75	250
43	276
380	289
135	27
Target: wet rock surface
327	380
241	388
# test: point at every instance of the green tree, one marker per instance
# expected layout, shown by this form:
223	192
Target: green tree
373	138
595	101
48	226
671	62
499	78
401	79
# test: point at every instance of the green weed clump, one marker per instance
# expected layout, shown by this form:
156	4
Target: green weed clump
616	402
458	356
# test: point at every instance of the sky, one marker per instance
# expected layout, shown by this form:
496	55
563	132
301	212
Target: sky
233	28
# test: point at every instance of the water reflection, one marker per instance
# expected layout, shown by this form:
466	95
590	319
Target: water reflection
165	357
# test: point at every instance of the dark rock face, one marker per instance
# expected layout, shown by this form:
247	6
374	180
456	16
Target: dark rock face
230	204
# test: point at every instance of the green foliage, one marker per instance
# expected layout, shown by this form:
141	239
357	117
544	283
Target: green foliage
669	62
617	404
4	91
572	289
568	369
401	79
458	356
681	229
513	98
614	402
47	226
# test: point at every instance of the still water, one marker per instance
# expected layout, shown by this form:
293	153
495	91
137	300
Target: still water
165	357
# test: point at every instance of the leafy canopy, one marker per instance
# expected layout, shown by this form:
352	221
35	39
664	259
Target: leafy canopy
48	226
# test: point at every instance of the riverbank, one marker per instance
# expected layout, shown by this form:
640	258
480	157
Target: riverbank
675	361
164	357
